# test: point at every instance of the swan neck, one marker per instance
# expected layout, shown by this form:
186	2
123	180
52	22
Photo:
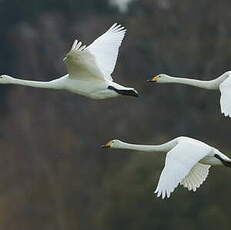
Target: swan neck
38	84
149	148
212	84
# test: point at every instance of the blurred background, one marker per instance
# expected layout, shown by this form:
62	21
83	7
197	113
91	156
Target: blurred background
53	173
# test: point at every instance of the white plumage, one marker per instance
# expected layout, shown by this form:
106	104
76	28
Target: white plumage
182	166
109	43
196	177
225	101
99	58
187	162
222	83
89	68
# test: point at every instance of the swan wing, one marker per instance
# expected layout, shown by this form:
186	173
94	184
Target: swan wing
81	64
106	47
196	177
178	165
225	100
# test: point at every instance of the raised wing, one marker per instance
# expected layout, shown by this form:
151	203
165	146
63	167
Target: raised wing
196	177
178	164
81	63
106	47
225	101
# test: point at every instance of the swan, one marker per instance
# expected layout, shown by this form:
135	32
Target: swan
89	68
222	83
187	162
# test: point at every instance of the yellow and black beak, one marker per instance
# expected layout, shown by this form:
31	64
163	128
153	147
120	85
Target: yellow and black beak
107	145
154	79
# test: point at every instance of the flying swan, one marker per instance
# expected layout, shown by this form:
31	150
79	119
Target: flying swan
222	83
187	162
89	68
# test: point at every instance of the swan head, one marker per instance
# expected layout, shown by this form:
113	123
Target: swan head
5	79
161	78
112	144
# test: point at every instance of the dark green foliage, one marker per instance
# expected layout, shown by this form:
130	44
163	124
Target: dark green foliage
21	10
54	175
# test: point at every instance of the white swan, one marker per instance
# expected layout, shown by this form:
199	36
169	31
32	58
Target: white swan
89	68
222	83
187	162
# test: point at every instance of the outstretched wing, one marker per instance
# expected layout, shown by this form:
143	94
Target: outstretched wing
81	63
225	101
196	177
178	165
99	58
106	47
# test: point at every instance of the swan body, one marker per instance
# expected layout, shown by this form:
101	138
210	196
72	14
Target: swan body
222	83
187	162
89	69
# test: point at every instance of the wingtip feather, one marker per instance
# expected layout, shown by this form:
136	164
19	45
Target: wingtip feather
77	45
116	27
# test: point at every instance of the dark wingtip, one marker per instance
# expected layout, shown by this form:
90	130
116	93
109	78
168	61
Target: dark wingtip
135	94
227	163
126	92
224	162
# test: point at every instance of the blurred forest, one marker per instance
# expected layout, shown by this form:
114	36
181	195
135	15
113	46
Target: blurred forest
53	173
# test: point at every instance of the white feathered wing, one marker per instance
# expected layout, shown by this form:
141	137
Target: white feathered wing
182	166
196	177
225	100
99	58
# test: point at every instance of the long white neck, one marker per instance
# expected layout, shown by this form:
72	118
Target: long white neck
149	148
212	84
54	84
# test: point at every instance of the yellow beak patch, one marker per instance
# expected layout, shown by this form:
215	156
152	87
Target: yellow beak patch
154	78
107	145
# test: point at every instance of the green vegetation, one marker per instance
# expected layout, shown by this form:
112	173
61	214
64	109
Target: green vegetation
54	175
